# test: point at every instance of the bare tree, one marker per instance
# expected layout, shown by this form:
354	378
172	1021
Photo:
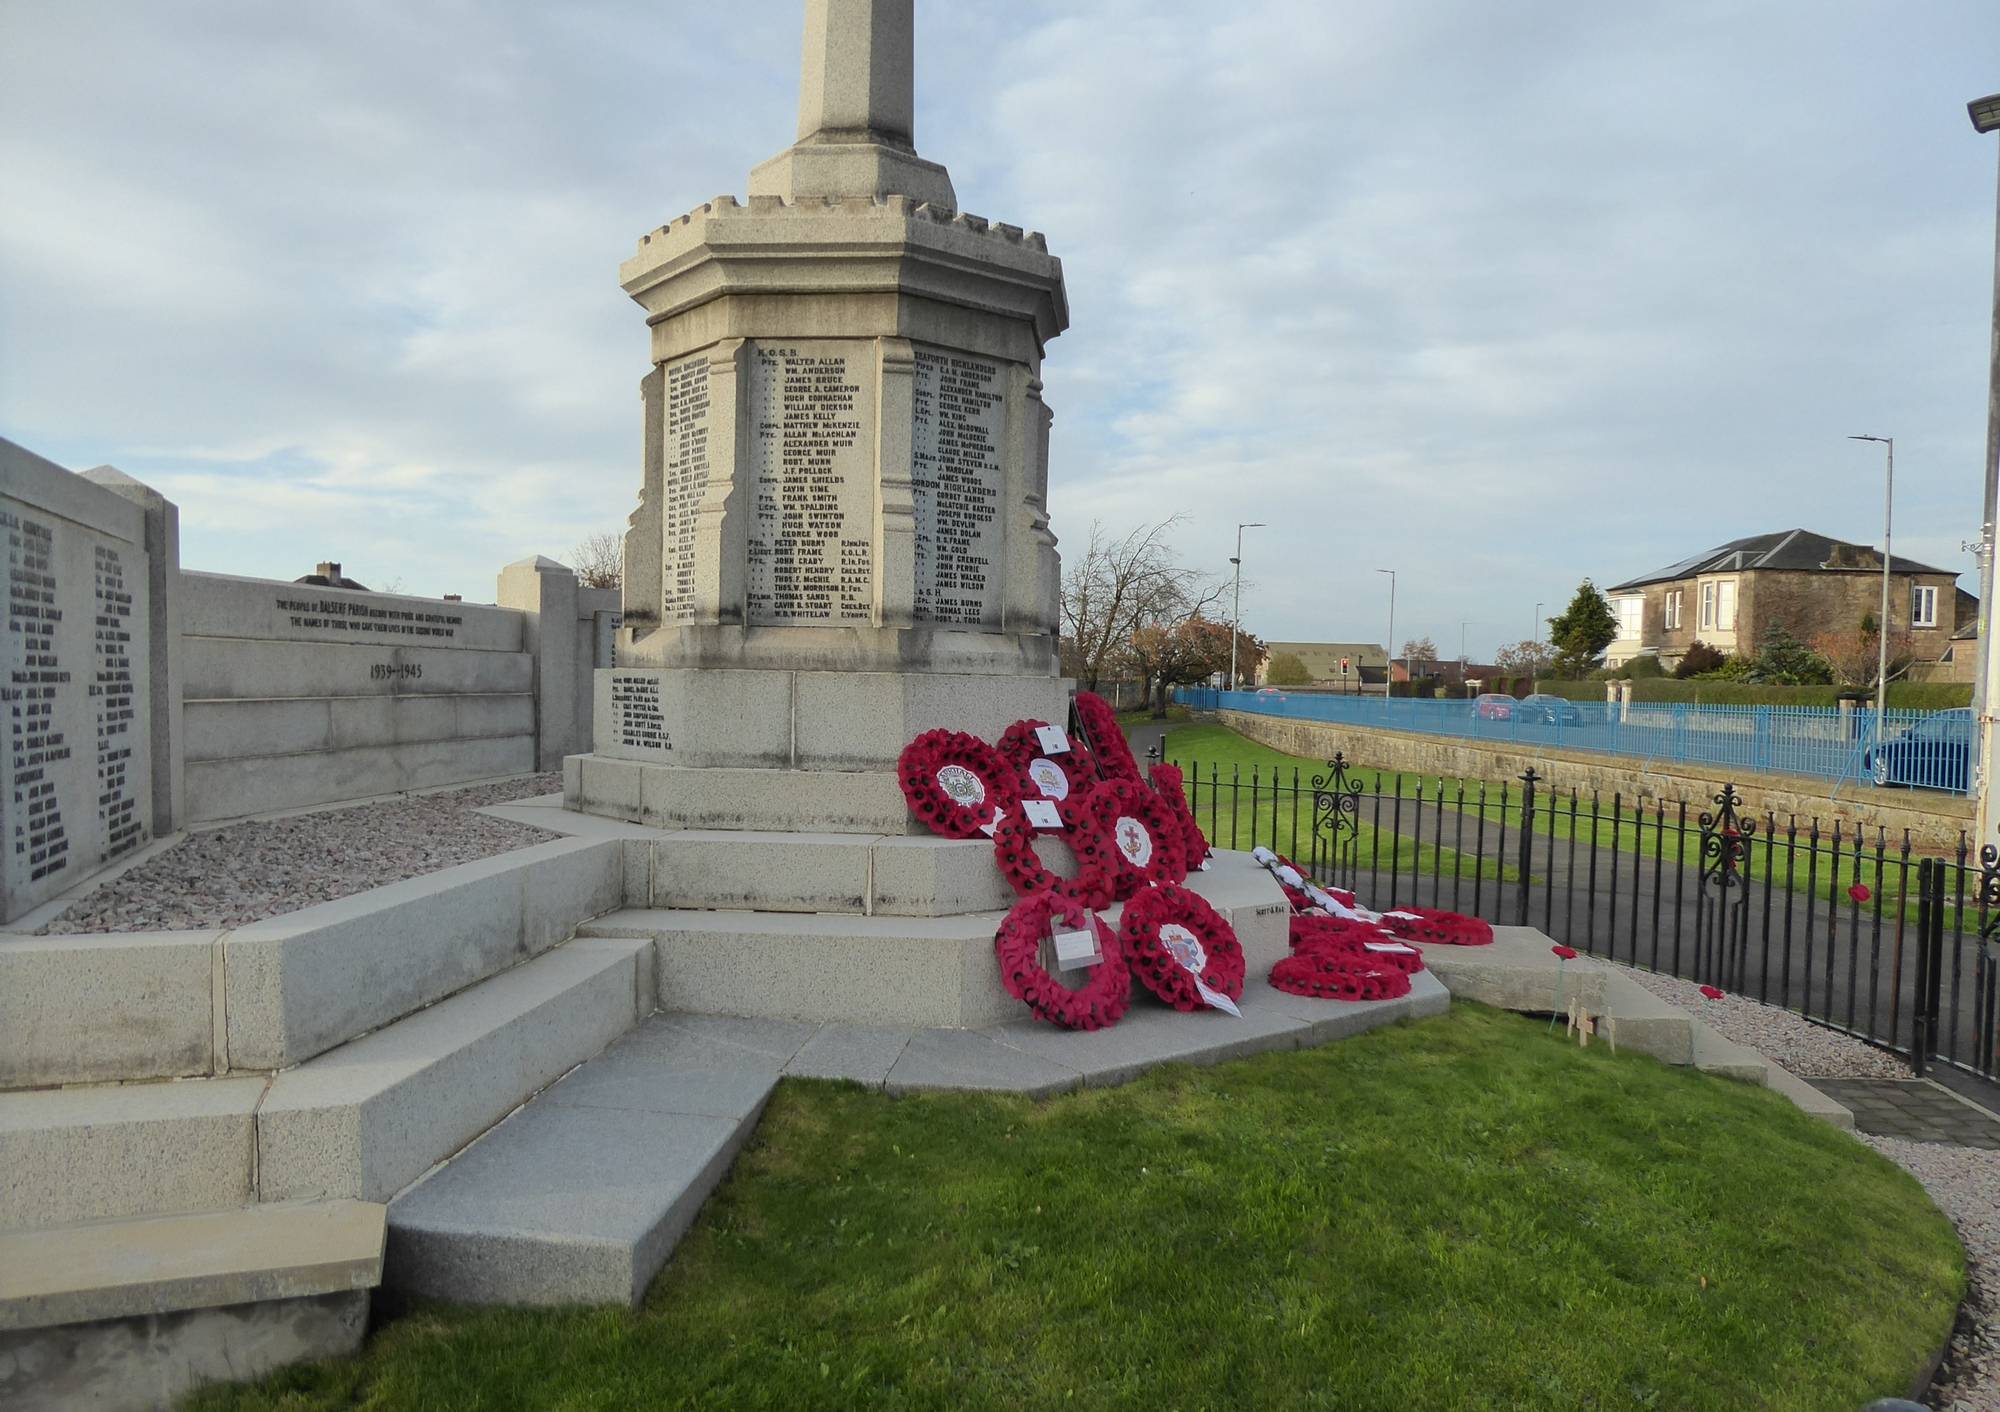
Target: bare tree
1526	659
1116	588
599	560
1420	652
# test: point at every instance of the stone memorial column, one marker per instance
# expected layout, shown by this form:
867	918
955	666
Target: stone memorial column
842	537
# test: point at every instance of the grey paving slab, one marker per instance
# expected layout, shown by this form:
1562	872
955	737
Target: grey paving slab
850	1052
641	1078
559	1205
970	1059
1152	1033
1913	1108
723	1041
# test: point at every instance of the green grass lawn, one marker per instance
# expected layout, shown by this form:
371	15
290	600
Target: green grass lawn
1459	1214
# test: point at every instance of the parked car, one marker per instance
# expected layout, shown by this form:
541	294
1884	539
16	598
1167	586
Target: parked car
1493	706
1935	753
1549	710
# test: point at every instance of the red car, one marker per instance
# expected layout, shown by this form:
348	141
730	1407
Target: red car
1494	706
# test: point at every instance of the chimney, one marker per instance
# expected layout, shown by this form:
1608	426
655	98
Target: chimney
329	572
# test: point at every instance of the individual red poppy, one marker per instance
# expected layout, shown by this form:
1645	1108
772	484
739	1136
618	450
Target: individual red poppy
1859	893
1711	992
1568	953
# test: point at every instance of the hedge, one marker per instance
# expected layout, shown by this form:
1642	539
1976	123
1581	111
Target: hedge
1903	695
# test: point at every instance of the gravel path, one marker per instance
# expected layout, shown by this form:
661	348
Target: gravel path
228	876
1963	1181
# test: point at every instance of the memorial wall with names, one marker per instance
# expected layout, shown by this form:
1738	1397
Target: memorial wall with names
73	672
958	481
812	470
683	481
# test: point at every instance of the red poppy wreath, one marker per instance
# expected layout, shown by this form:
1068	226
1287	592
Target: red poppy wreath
1039	775
1170	785
1145	836
1173	939
1084	835
1326	975
1018	944
1107	742
955	783
1439	928
1336	936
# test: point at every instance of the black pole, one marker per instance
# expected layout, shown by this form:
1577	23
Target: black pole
1527	848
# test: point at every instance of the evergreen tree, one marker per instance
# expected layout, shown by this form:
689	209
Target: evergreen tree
1583	631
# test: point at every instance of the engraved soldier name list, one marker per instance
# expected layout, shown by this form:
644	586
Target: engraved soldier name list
78	789
683	479
812	534
959	420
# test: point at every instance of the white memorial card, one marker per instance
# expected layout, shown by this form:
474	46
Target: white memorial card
1077	949
999	816
1054	742
1216	999
1041	813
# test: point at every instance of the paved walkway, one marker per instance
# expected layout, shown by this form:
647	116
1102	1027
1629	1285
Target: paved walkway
1914	1109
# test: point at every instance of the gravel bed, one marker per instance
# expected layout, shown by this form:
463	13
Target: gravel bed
1965	1183
1798	1044
242	872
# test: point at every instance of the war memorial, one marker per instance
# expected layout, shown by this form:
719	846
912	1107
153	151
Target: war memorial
827	810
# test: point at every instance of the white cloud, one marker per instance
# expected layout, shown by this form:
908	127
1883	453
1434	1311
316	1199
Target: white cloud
1496	295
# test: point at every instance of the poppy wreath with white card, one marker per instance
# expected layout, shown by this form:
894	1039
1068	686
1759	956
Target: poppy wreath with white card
1082	833
1171	785
1177	945
1145	836
1040	775
1438	928
1019	945
1107	741
956	783
1328	975
1359	940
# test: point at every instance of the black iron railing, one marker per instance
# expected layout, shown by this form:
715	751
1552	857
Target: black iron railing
1867	935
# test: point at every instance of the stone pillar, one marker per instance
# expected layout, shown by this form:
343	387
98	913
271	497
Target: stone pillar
546	592
163	580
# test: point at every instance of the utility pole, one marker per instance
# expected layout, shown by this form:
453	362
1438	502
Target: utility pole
1985	114
1236	613
1882	623
1389	648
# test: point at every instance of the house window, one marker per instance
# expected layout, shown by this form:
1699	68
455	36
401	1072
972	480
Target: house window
1923	607
1708	607
1630	616
1673	610
1725	606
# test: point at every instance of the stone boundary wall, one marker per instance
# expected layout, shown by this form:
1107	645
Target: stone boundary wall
1934	820
298	695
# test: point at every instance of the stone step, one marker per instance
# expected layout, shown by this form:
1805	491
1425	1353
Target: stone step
677	797
802	966
94	1154
372	1116
1714	1054
1808	1098
580	1197
136	1313
853	874
1642	1022
874	970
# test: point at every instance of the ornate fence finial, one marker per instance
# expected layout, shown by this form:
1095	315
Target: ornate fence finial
1989	892
1337	804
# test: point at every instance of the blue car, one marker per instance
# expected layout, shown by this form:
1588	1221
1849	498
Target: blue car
1936	753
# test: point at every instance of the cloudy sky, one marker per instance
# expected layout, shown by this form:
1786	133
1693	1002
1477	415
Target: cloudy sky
1496	295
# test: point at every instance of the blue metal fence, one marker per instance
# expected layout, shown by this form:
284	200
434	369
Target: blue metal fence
1922	749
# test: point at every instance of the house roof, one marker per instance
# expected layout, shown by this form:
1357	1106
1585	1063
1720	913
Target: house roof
1322	659
1796	550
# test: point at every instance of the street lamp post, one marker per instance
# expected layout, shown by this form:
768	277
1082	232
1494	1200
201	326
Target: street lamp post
1236	613
1536	635
1985	114
1390	648
1882	623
